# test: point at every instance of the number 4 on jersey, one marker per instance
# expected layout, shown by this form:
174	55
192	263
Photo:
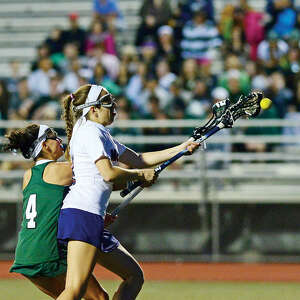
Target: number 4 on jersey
31	211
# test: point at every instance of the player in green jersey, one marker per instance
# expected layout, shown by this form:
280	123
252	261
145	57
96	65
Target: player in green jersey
37	254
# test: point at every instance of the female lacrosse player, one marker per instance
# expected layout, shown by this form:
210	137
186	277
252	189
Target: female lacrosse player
95	154
37	255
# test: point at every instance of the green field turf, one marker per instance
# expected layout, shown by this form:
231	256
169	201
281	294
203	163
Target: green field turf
155	290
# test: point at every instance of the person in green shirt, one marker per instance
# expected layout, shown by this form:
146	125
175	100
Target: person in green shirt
37	255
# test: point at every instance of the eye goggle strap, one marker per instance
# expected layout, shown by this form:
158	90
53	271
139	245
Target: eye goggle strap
98	102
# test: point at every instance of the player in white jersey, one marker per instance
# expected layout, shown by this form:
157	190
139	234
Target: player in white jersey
95	155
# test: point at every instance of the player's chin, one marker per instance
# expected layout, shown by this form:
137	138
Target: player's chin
112	118
59	153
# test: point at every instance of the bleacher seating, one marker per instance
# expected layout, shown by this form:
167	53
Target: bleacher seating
25	24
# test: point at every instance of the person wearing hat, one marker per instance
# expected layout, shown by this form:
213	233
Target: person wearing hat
167	48
75	34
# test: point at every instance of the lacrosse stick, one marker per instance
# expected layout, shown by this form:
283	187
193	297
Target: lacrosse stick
224	115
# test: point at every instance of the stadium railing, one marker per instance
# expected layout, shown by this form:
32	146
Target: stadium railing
208	177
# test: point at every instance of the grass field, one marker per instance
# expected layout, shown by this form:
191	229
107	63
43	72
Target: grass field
14	289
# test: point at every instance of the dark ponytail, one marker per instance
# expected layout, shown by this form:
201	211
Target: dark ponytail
22	139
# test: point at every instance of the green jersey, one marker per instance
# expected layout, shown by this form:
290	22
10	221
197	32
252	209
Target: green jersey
41	206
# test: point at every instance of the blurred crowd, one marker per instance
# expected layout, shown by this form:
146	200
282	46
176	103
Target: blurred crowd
184	58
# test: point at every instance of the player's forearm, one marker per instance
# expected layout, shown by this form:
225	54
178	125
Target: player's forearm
121	175
150	159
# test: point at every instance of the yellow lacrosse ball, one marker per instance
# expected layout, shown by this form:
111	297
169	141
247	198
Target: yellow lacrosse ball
265	103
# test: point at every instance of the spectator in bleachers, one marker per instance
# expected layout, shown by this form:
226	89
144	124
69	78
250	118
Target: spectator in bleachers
136	85
154	112
149	55
234	85
70	53
189	74
75	34
187	8
123	77
48	107
107	11
151	88
97	35
147	31
291	68
129	58
283	18
254	29
14	77
55	42
110	62
168	48
161	9
271	50
4	100
234	68
176	101
232	29
281	95
199	38
39	80
21	101
71	79
164	75
42	52
200	102
100	78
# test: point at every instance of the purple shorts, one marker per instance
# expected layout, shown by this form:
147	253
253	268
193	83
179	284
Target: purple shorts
79	225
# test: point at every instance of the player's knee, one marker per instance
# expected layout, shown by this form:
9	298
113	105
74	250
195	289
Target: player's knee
99	296
138	277
76	290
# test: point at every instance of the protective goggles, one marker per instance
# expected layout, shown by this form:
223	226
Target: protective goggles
107	101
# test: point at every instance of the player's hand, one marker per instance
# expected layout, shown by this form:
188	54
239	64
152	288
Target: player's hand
147	177
109	219
191	146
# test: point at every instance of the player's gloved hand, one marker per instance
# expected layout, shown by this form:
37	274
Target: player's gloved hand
109	219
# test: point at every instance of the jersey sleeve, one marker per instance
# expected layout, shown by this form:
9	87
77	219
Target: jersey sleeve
94	142
121	147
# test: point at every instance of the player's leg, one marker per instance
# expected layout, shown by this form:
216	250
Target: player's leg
52	286
81	262
95	291
122	263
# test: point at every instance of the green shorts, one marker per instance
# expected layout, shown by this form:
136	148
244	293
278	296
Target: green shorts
46	269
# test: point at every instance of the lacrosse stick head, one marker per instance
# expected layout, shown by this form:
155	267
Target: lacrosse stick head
246	106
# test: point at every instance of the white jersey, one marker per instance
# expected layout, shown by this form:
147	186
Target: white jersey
90	192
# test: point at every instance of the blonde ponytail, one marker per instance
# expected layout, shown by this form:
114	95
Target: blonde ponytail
74	99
